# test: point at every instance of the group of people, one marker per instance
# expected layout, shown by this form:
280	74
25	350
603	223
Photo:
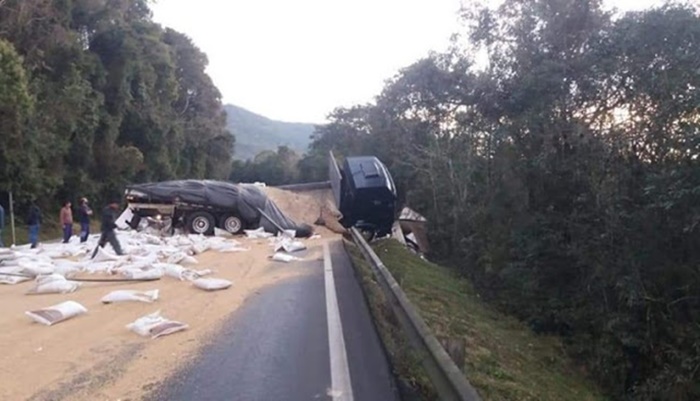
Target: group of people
109	218
66	219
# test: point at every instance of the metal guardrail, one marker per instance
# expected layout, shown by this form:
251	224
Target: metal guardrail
448	380
309	186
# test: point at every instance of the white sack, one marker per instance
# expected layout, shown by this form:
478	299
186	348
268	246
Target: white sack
56	313
171	270
12	280
104	256
211	284
154	326
130	295
53	284
189	260
257	233
283	257
142	274
222	233
199	247
289	246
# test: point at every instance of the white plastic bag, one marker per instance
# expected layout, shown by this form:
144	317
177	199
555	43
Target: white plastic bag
56	313
283	257
35	267
53	284
232	249
199	247
288	245
211	284
176	258
257	233
154	326
12	280
171	270
67	267
189	260
143	274
130	295
104	256
222	233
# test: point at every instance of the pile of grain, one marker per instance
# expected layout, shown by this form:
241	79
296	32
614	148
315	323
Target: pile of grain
310	207
301	207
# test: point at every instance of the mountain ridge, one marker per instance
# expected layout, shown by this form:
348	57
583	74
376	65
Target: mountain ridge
256	133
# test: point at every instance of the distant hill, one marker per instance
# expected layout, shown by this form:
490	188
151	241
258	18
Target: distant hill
255	133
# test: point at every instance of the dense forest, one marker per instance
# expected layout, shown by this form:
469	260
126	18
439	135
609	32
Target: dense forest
554	149
256	134
94	95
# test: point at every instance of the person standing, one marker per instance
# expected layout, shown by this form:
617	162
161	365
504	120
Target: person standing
2	225
84	213
34	222
66	219
109	217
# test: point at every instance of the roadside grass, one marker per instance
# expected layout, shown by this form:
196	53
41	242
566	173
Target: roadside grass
49	231
412	381
503	358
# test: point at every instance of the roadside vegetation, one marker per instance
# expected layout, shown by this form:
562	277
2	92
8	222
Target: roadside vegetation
93	95
503	358
554	150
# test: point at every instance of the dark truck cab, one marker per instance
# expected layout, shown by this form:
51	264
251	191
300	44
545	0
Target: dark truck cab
365	194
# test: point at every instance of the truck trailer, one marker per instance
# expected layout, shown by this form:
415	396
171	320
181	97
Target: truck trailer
198	206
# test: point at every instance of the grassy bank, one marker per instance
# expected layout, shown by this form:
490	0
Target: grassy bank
503	359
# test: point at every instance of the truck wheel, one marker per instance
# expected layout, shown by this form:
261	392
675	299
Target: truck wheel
200	223
232	224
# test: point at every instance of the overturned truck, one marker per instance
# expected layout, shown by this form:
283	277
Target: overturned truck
365	194
198	206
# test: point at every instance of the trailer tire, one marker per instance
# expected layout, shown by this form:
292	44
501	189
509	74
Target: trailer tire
200	223
231	223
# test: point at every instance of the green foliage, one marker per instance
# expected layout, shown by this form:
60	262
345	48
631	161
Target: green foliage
15	105
255	133
272	168
102	96
503	359
561	177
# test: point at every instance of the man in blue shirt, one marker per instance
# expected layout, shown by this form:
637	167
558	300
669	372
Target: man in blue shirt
2	225
84	213
34	222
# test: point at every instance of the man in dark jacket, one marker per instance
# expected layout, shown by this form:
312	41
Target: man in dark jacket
34	222
109	217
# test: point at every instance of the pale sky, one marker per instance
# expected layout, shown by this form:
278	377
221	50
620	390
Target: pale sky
296	60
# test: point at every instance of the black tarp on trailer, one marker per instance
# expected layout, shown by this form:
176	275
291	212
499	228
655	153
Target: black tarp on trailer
246	201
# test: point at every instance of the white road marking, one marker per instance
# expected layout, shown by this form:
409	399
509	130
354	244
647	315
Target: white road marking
341	386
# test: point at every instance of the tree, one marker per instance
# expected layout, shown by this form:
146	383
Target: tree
16	168
562	178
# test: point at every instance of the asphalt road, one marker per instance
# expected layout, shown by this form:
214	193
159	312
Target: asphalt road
276	346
